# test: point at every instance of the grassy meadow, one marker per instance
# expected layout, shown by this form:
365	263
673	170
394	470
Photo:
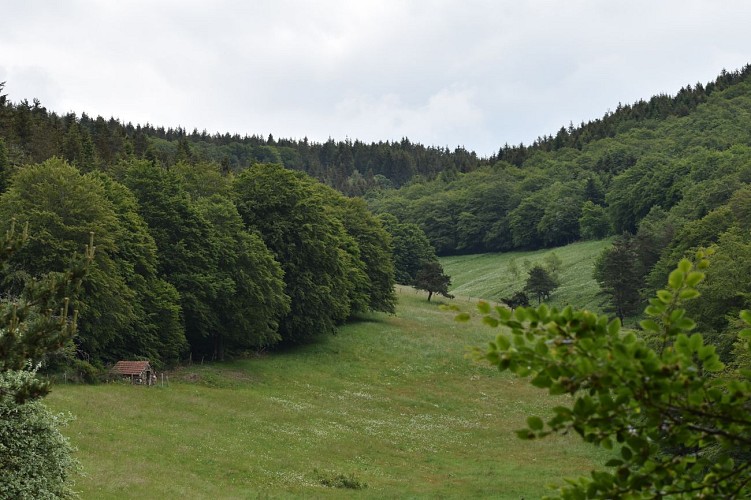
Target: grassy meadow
391	402
489	276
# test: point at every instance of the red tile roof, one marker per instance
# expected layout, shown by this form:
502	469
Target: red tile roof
130	367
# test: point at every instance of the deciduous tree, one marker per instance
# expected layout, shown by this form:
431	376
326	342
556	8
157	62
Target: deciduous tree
411	248
249	316
593	223
540	283
188	252
306	239
432	279
63	207
678	427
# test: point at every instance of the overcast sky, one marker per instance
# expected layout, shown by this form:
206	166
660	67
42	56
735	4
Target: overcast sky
445	73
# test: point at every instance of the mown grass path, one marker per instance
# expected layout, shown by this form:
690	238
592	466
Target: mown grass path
488	276
390	400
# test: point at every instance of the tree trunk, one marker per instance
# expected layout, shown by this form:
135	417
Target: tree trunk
218	348
430	294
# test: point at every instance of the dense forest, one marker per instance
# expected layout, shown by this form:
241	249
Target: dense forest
191	260
33	134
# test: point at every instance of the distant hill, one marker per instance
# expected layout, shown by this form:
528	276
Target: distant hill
33	133
685	154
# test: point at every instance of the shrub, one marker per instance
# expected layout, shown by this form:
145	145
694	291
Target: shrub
35	458
332	480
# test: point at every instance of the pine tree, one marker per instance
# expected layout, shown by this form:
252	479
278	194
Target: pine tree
619	274
4	166
36	460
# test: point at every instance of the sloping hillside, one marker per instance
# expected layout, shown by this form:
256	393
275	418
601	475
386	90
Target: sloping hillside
390	401
492	277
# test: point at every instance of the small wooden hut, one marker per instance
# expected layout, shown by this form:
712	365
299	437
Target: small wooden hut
138	372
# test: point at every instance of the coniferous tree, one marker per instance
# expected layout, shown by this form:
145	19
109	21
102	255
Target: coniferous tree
619	273
4	166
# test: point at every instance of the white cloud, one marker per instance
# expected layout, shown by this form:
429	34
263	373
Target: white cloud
478	73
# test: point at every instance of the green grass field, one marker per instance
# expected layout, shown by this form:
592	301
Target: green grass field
487	276
391	401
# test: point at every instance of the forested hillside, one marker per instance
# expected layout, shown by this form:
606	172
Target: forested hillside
685	153
204	228
666	177
33	134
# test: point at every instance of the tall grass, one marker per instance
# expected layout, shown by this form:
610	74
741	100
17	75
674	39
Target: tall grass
490	276
390	405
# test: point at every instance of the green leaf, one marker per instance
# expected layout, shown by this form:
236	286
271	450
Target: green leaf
614	327
502	342
541	348
689	293
677	314
746	316
694	278
675	280
664	296
535	423
483	307
503	313
695	341
543	311
685	324
542	380
684	266
649	325
714	364
654	310
525	434
490	321
462	318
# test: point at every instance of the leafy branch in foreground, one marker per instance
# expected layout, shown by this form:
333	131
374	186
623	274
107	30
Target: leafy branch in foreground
678	424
